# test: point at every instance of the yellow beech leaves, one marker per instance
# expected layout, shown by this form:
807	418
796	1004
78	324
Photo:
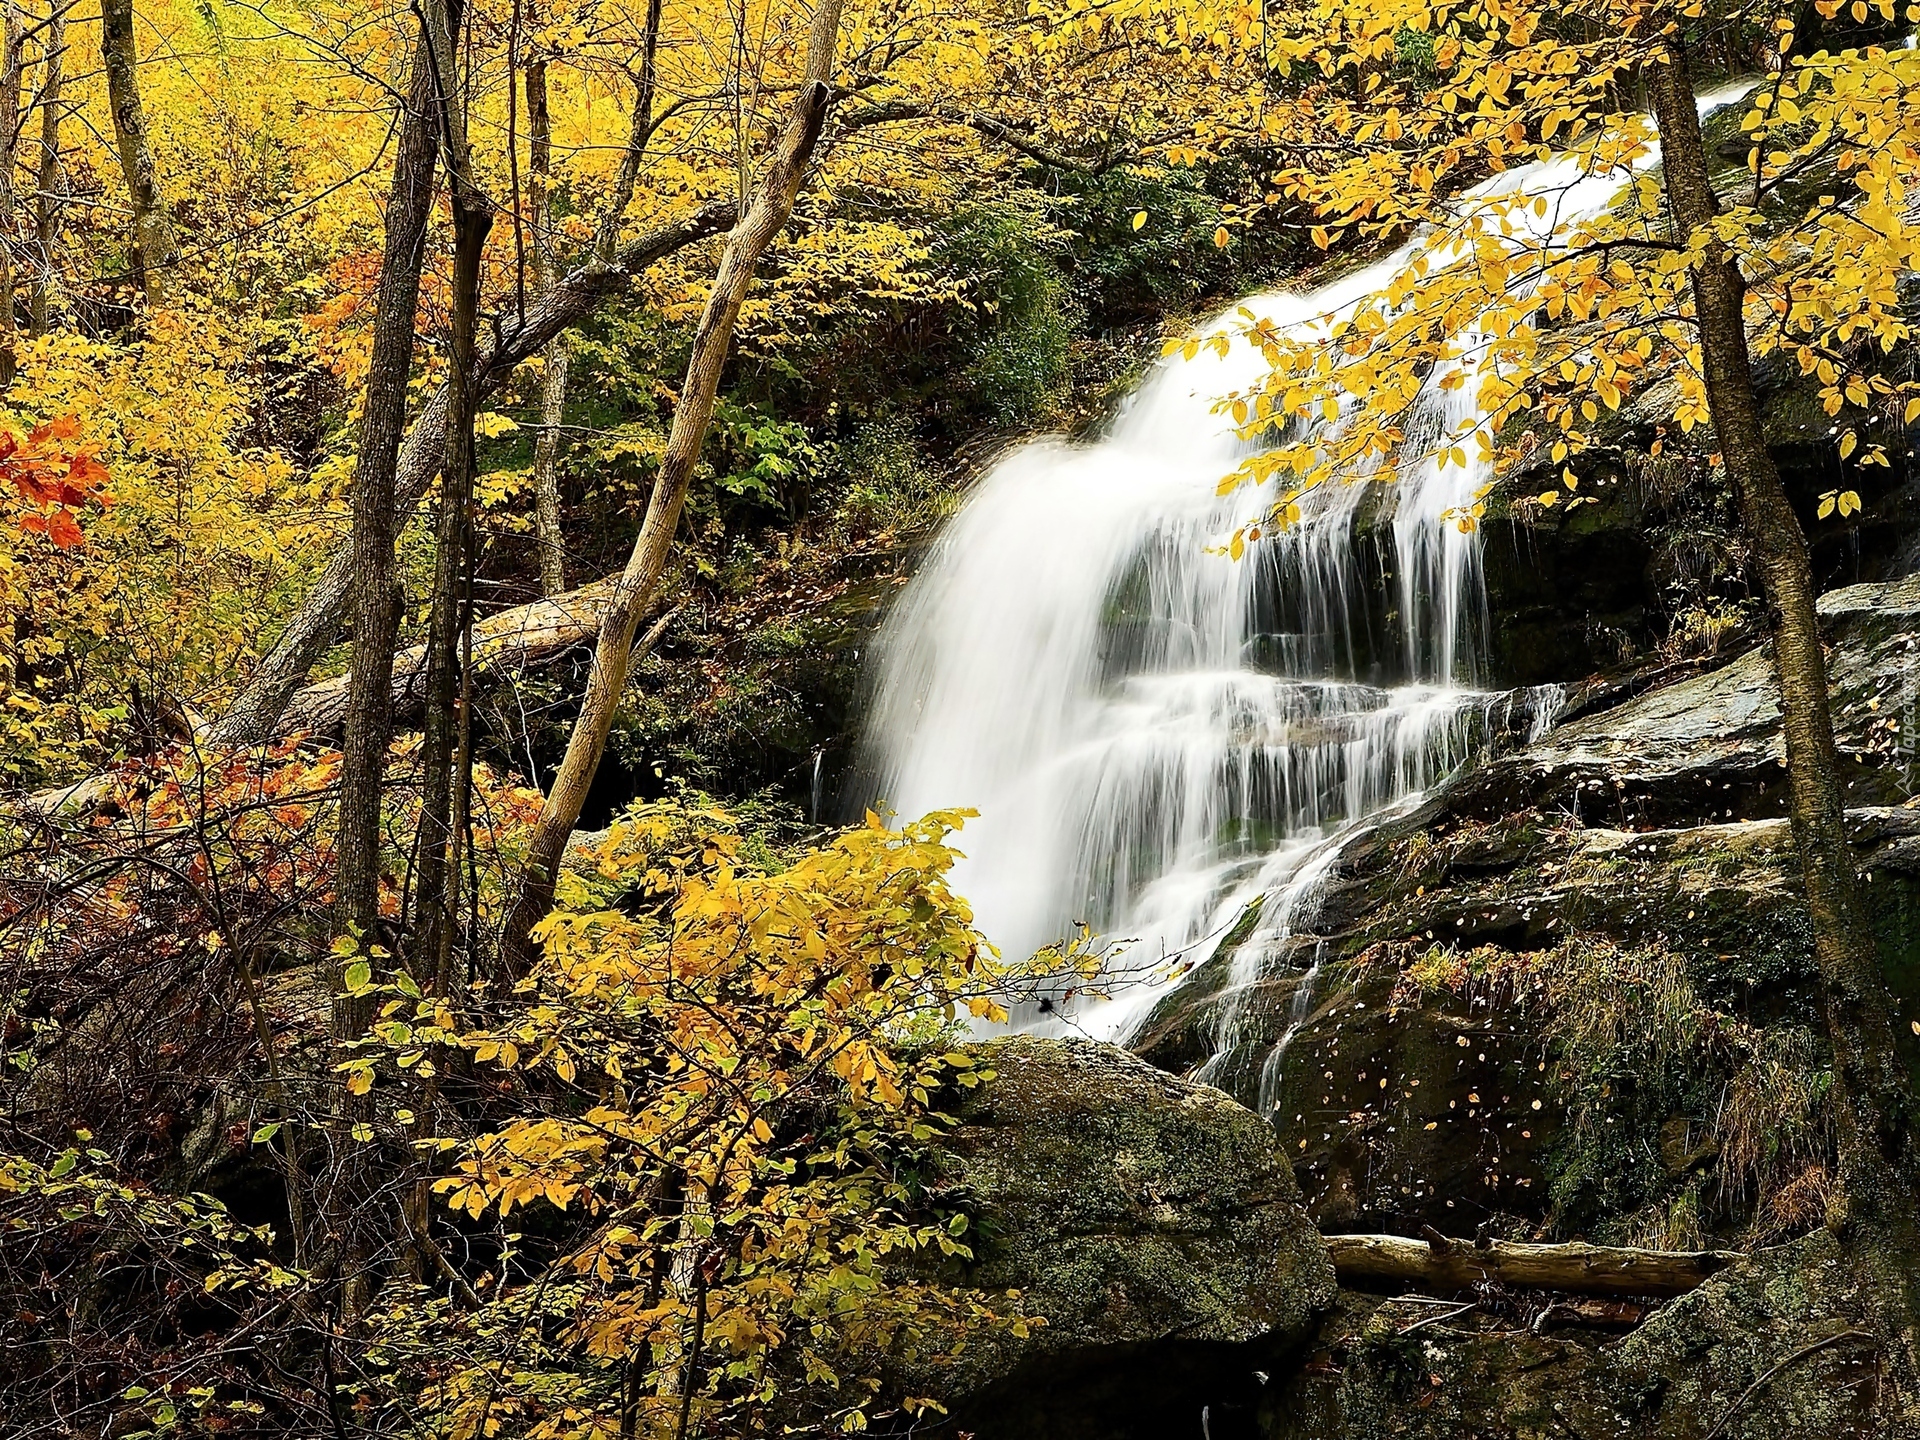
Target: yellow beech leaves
1558	301
729	1077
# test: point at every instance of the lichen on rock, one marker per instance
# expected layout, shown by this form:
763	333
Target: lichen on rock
1153	1222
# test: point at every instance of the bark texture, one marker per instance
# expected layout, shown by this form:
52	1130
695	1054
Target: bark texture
154	250
255	714
547	531
1873	1095
49	187
443	830
373	601
1584	1269
503	643
11	72
765	215
1859	1016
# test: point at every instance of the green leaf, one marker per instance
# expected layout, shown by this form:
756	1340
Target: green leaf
358	977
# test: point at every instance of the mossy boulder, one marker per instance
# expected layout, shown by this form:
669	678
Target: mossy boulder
1778	1347
1153	1222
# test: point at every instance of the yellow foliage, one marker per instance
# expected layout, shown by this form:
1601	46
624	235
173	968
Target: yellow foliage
1539	307
739	1074
206	541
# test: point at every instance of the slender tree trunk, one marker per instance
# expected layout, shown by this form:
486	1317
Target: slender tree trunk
154	250
1873	1099
765	214
373	599
49	186
11	69
256	711
440	837
547	529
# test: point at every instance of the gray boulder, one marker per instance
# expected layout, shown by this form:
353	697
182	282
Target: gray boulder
1156	1226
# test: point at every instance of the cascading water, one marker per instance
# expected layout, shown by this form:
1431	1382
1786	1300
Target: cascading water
1158	737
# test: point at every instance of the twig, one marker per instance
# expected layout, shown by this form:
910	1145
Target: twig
1802	1353
1436	1319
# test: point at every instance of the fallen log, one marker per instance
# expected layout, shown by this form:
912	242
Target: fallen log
510	640
256	711
1438	1263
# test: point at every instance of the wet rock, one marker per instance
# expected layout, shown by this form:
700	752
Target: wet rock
1777	1346
1434	1076
1708	747
1154	1224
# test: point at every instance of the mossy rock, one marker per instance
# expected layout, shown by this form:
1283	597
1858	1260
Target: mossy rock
1155	1225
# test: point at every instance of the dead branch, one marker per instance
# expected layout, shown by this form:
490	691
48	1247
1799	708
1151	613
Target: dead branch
1576	1266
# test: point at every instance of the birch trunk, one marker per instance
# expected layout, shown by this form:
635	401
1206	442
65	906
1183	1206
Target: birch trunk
765	215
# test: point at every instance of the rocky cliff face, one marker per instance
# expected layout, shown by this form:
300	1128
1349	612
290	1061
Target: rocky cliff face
1573	992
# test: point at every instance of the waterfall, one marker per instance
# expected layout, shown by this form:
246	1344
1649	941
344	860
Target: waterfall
1164	743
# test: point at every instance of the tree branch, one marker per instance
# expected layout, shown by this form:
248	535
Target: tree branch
897	112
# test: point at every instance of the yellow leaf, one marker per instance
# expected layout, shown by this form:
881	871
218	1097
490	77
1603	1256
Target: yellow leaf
1139	218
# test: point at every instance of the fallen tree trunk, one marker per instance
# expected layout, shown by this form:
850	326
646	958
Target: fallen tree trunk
1438	1263
512	639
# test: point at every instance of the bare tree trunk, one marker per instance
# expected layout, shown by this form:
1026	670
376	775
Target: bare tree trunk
154	250
440	834
11	69
1873	1096
252	717
374	603
765	214
547	530
48	186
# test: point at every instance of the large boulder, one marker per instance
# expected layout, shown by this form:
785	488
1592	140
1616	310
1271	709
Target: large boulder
1156	1226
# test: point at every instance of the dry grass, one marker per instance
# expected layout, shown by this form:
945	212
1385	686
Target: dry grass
1775	1129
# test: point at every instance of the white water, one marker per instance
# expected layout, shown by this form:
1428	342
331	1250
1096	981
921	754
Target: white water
1156	735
